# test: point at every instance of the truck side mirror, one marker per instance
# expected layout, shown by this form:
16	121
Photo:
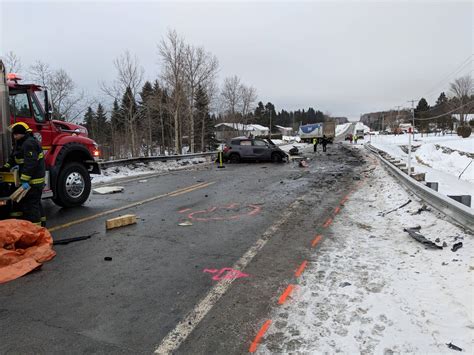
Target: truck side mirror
47	107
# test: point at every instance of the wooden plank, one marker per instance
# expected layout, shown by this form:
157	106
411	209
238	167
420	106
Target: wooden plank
121	221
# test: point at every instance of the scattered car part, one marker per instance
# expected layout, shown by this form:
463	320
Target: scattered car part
383	214
413	232
456	246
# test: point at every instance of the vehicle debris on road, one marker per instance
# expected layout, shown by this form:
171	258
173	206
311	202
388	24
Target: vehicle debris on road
456	246
421	209
454	347
73	239
303	164
383	214
108	190
185	223
413	232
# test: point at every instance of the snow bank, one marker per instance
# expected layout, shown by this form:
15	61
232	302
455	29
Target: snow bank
440	165
453	163
138	169
369	288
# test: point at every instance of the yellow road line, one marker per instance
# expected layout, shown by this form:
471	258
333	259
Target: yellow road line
134	204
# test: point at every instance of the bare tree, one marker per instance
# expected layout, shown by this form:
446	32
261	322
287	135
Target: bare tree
12	63
249	96
40	73
126	87
462	90
67	102
200	68
172	50
231	95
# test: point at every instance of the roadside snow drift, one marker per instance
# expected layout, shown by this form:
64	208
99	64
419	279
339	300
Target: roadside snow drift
137	169
370	288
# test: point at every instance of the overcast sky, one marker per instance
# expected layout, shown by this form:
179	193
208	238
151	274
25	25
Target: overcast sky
343	57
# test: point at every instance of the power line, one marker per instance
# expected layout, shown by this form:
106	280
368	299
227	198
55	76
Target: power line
444	114
459	68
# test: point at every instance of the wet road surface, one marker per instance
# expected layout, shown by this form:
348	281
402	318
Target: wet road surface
160	271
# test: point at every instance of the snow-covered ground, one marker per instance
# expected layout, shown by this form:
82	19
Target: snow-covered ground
370	288
442	158
139	169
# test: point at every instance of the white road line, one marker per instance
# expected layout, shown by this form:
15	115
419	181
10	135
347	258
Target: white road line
178	335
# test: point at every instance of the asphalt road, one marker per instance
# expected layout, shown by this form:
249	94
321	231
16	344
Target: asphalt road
259	216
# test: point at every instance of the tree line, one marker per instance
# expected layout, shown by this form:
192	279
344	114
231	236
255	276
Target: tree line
176	110
459	102
449	108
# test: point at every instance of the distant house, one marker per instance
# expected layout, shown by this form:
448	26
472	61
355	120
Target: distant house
225	131
286	131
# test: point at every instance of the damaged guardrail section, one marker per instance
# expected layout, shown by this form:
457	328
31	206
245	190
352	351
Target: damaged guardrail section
163	158
460	213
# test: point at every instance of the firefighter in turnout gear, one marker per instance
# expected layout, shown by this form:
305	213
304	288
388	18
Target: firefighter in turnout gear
28	157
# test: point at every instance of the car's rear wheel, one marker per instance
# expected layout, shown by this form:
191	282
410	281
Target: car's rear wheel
234	158
276	158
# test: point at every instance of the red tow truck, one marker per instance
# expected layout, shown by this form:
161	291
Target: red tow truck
70	156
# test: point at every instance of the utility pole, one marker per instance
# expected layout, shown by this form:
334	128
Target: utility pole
413	115
270	130
382	122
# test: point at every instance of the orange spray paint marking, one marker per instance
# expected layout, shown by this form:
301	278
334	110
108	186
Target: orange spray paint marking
300	270
260	334
336	210
285	294
316	240
327	223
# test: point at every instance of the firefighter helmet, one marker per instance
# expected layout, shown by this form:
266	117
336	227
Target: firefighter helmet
20	128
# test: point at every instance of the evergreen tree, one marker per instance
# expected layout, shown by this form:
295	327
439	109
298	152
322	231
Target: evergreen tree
203	120
441	107
422	111
89	123
128	108
116	118
103	130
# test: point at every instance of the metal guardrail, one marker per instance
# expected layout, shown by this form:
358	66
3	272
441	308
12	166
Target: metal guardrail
457	211
163	158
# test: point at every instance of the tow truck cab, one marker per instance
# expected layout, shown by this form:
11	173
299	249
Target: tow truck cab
70	156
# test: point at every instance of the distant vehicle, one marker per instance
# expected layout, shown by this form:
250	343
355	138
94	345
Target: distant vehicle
359	133
256	149
316	130
348	137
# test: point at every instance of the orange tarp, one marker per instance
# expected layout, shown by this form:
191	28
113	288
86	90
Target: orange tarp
23	247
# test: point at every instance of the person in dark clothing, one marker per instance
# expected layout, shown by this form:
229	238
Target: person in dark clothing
324	142
28	156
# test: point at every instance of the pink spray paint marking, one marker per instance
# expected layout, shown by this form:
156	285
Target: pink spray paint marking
252	211
226	273
185	210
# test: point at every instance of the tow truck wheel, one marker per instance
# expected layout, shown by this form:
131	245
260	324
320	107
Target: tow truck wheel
73	186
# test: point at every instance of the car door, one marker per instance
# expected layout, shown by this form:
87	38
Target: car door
245	149
42	128
260	149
